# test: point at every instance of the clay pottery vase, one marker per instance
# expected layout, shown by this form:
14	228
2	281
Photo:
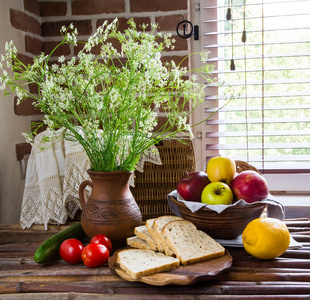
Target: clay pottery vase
111	208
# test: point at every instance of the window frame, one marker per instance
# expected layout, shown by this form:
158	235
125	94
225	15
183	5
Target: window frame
283	181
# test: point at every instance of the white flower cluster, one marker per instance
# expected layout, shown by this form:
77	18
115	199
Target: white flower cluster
109	102
10	51
69	34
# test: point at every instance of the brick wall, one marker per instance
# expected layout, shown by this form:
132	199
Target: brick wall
41	21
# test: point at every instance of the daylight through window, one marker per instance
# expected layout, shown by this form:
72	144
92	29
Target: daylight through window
261	50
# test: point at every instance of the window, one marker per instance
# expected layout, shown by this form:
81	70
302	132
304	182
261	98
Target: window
261	50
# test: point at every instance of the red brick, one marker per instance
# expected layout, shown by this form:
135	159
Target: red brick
122	22
161	122
32	6
94	7
22	149
176	59
25	59
179	44
33	45
47	48
159	5
169	23
120	62
115	43
49	9
24	22
25	108
37	127
78	48
84	27
33	88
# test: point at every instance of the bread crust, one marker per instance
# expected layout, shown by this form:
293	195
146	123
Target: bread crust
189	244
158	225
138	263
143	233
136	242
177	236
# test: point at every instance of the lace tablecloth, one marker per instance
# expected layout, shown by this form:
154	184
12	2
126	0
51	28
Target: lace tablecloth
54	172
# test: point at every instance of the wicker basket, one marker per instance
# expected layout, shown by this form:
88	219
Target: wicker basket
228	224
157	181
244	166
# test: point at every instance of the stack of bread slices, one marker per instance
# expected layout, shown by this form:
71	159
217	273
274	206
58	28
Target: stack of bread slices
164	243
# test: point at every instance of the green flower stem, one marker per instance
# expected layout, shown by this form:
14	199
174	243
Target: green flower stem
110	103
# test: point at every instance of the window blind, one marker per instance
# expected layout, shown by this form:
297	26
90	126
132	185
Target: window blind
261	52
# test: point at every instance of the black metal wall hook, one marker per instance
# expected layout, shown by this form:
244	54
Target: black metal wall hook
193	30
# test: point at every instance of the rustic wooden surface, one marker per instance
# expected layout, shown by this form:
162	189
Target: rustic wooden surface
287	277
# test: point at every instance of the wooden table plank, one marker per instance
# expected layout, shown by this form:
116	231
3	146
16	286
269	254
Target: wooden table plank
206	288
287	277
92	296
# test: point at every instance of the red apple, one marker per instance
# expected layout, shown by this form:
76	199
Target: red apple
191	185
250	186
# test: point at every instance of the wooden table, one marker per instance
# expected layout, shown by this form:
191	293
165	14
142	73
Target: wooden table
287	277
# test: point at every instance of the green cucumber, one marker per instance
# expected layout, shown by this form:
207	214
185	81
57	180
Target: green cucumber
49	250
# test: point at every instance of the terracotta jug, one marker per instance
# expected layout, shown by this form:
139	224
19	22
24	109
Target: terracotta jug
111	208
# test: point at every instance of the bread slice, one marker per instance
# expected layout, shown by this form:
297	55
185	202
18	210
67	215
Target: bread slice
136	242
138	262
143	233
149	223
189	244
158	225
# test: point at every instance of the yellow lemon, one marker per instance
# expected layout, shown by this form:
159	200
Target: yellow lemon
266	238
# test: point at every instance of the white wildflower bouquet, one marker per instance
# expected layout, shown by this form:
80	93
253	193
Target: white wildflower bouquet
109	103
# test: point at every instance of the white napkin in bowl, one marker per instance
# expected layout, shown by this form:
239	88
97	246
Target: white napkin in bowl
274	208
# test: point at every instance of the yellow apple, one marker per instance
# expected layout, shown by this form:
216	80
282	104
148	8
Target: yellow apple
221	169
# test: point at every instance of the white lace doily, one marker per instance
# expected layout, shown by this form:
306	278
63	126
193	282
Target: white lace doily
53	177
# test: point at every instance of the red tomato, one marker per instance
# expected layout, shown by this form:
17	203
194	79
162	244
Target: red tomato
103	240
70	250
95	255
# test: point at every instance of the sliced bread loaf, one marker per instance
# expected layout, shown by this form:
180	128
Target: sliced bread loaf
136	242
189	244
152	231
158	225
143	233
138	263
149	223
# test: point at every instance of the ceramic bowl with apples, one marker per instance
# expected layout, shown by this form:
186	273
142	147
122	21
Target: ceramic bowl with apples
222	185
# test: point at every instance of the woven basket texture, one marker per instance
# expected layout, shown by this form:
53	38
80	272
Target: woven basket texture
157	181
244	166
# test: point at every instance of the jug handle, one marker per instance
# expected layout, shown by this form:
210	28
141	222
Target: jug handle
82	192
